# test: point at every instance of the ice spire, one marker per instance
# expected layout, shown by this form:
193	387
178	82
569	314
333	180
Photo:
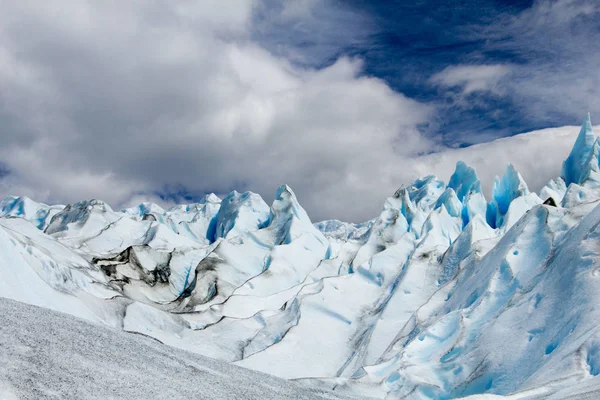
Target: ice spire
474	204
504	191
288	220
591	173
574	167
463	180
449	200
241	212
466	185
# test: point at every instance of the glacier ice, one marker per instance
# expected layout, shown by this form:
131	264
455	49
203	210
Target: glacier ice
450	201
574	167
510	196
240	213
37	213
344	231
443	294
554	189
464	180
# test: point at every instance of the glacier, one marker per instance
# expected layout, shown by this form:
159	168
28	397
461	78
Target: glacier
444	294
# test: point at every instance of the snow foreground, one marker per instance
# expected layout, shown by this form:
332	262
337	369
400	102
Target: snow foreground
46	354
444	294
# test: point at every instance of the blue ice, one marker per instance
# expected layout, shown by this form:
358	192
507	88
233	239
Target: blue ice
574	167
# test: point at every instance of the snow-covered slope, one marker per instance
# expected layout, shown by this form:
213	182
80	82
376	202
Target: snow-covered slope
445	294
49	355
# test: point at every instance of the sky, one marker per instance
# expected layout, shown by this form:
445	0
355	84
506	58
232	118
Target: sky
166	101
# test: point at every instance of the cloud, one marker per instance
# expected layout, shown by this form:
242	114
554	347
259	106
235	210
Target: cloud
4	170
555	40
170	100
311	32
547	72
113	100
520	70
472	78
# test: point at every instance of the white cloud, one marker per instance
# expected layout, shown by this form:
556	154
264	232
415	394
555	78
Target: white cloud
554	71
472	78
535	68
311	32
558	39
110	100
116	100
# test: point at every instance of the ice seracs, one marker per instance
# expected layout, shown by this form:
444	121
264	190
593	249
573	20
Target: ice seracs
574	167
196	221
450	202
467	187
554	189
38	214
510	199
335	229
86	217
463	180
443	294
239	213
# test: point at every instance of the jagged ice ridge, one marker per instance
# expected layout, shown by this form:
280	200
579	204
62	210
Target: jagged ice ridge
444	294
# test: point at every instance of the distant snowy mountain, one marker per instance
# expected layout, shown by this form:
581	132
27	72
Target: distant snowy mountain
444	294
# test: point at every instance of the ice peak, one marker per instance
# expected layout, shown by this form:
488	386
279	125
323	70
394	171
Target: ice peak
402	201
77	213
284	190
464	180
240	212
465	183
287	219
150	208
286	203
13	205
450	201
474	203
424	192
504	191
210	198
574	167
509	188
93	204
592	167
